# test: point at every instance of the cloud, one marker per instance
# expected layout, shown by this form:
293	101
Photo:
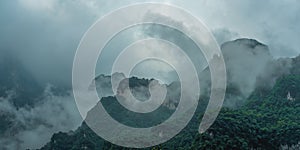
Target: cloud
49	32
33	127
223	35
44	35
274	23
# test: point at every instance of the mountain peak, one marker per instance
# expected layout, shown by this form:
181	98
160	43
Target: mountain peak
249	42
250	45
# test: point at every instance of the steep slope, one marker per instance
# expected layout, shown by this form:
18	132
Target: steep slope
263	124
16	80
16	84
31	113
265	90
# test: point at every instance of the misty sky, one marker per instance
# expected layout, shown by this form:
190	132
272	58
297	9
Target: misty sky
44	34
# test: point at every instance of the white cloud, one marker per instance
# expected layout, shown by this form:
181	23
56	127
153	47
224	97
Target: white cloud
273	22
36	5
33	127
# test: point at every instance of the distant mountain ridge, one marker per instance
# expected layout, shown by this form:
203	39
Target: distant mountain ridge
255	78
251	70
243	128
15	78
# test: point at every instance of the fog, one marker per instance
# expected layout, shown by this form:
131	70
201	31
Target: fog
33	127
43	37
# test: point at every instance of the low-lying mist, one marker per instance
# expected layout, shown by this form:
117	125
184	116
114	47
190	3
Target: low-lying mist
32	127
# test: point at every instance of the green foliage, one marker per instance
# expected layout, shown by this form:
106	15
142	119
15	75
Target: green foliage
267	121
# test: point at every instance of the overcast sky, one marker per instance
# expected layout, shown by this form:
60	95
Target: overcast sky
44	34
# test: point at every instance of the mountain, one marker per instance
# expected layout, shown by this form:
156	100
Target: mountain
260	124
15	80
16	84
246	61
261	106
30	112
138	87
269	122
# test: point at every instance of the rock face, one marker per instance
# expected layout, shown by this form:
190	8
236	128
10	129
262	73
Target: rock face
295	65
250	67
255	125
138	87
245	60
